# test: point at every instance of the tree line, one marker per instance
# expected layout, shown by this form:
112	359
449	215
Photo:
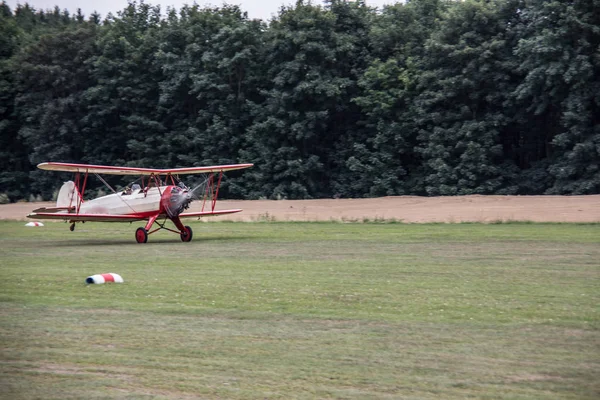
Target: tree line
426	97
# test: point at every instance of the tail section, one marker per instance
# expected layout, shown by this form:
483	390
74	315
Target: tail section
67	195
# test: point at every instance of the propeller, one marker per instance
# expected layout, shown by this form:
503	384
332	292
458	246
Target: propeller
177	200
180	197
196	193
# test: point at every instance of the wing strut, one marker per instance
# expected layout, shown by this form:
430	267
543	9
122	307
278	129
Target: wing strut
212	191
80	189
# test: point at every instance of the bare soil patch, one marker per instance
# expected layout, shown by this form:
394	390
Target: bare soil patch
410	209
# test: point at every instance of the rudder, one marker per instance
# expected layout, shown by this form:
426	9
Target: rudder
66	195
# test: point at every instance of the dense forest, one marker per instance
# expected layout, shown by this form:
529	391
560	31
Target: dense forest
425	97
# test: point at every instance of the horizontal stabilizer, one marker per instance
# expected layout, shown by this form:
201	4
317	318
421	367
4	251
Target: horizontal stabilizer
85	217
53	209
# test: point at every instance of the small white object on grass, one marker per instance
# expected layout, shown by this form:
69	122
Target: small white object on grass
34	224
104	278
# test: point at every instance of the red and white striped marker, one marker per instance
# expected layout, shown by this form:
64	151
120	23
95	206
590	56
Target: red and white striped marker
34	224
104	278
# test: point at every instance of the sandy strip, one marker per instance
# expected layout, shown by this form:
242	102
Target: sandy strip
412	209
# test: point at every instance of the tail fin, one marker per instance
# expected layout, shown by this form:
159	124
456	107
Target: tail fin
66	195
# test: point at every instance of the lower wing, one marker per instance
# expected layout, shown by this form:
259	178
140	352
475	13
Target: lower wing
209	213
73	217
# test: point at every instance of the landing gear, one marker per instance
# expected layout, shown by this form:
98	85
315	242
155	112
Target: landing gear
186	235
72	227
184	232
141	235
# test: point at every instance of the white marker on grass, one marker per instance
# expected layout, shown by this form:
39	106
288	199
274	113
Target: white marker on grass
34	224
104	278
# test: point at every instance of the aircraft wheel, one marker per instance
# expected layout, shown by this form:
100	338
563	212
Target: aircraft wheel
187	235
141	235
72	227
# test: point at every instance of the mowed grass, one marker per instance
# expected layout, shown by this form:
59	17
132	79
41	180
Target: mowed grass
302	311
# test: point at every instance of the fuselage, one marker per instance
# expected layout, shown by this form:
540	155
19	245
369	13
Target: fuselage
122	203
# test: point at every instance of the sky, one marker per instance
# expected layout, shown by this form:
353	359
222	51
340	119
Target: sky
263	9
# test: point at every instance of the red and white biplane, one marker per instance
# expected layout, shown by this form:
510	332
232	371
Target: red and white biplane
160	196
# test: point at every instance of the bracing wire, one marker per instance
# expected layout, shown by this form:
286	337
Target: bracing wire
115	192
105	183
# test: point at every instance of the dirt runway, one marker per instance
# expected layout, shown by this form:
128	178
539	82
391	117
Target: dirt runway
410	209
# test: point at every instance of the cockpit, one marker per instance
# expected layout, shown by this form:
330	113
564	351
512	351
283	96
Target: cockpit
134	189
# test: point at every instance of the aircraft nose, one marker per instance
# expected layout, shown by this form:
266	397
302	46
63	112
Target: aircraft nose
176	200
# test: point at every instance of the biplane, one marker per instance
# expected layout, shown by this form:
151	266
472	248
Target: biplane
160	196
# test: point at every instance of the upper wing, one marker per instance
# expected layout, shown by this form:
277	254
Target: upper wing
110	170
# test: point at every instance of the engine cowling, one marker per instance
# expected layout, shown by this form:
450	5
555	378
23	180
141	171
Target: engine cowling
175	200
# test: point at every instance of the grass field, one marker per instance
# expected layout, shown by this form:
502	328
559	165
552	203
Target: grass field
303	311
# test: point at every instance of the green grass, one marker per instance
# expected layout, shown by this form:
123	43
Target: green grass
302	310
